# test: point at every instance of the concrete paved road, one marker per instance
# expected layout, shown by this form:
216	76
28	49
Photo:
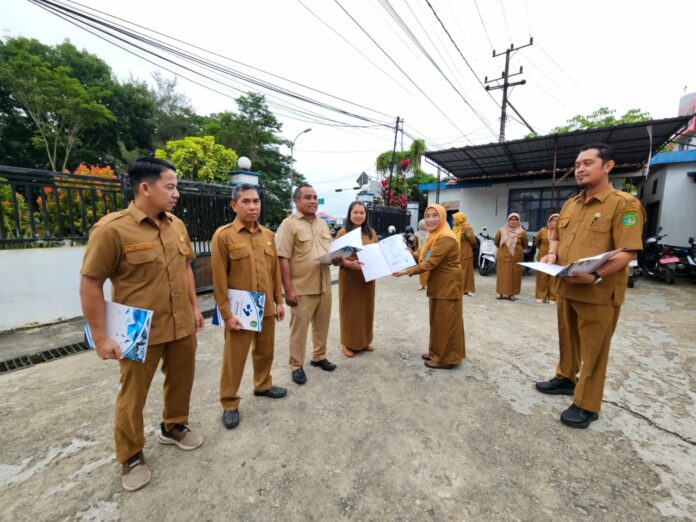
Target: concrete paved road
382	438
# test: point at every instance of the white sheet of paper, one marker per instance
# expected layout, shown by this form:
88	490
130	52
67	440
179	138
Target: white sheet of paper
584	265
384	258
374	264
544	267
351	239
396	253
345	246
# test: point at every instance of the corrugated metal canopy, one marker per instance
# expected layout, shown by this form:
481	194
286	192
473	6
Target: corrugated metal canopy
533	157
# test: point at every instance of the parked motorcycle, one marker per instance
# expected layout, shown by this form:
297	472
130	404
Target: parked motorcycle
487	251
691	260
656	260
633	272
529	253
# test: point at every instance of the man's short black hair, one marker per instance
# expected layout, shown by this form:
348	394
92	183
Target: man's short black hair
147	169
604	150
242	187
298	190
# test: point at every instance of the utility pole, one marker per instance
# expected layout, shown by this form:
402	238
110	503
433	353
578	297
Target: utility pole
391	163
506	84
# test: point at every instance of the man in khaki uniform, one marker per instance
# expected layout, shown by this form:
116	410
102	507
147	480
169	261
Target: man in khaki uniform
244	258
597	220
146	253
300	240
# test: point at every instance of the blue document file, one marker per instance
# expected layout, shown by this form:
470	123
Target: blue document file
129	327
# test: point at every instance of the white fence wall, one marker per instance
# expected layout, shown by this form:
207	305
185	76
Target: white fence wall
40	285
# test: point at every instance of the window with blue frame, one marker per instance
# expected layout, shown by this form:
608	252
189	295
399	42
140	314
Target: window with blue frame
535	205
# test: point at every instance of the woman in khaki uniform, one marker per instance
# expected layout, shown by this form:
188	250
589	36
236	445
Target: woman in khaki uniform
439	257
546	285
356	298
510	240
464	234
419	241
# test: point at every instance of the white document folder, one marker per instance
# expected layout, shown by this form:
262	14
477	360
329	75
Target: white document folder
345	246
246	306
384	258
128	326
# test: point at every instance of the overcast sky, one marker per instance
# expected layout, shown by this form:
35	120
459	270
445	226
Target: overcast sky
620	54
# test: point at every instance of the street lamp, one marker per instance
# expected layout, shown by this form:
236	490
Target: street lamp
292	144
292	160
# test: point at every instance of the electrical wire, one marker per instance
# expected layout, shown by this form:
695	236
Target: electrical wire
225	57
485	29
400	84
402	71
578	85
507	29
121	34
395	15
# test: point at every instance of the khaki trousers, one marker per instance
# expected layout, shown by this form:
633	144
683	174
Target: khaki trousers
584	333
234	358
317	310
178	366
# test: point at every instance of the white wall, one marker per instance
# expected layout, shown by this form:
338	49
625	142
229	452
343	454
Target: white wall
678	207
487	206
40	285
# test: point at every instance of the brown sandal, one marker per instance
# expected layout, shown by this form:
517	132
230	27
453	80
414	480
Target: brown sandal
425	356
431	364
348	352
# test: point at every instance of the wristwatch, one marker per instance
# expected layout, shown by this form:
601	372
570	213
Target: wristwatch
597	277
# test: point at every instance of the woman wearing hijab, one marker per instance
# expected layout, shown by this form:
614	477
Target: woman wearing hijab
356	298
419	241
510	240
439	257
546	285
464	234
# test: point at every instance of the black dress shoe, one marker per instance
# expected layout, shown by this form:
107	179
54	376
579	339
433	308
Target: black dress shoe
299	376
577	417
230	418
274	392
556	386
325	365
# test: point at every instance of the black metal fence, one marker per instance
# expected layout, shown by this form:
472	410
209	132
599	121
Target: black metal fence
41	208
38	206
381	217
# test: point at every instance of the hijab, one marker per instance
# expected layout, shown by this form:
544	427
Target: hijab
443	230
459	218
422	233
551	234
509	235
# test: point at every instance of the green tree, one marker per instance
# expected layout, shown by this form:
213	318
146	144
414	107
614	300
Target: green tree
174	116
407	161
602	117
200	159
253	132
59	106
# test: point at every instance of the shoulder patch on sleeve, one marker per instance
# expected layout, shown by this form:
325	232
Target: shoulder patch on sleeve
629	219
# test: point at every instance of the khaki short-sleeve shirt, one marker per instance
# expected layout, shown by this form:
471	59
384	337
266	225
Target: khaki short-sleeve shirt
147	266
302	242
609	220
245	261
